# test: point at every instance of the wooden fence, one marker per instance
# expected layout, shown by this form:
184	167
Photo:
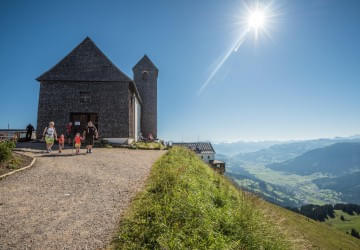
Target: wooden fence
9	134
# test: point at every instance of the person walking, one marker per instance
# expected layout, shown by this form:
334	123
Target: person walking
50	135
90	134
70	132
61	141
77	142
29	131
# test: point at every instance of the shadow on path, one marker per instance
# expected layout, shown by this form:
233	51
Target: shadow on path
61	155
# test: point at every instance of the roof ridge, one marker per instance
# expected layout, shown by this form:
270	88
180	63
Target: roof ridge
97	51
103	54
58	63
145	58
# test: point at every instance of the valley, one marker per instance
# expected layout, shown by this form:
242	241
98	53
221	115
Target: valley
324	171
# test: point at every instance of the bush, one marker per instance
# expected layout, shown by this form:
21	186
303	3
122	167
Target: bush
6	148
148	145
355	233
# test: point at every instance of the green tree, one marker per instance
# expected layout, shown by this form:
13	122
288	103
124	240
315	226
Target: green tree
355	233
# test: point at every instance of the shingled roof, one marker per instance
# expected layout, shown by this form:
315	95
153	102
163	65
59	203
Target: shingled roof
199	147
145	62
85	63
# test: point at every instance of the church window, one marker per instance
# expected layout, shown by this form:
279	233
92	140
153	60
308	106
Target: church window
84	97
145	75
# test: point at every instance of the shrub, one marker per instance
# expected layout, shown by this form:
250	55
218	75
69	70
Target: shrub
6	148
148	145
355	233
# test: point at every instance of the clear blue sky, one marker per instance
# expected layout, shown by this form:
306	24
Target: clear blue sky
303	82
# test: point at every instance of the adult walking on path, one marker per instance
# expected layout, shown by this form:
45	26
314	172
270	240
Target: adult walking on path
50	136
90	134
63	203
29	131
70	132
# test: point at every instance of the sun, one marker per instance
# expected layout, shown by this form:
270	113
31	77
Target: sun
256	19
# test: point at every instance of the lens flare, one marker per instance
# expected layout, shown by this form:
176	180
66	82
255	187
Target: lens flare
254	19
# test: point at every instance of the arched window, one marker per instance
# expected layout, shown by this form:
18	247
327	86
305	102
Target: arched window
145	75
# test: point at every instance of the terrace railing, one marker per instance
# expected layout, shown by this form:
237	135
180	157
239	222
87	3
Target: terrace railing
13	134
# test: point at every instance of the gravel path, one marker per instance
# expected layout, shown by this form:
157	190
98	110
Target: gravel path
70	202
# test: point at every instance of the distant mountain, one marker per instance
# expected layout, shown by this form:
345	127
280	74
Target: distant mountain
337	159
287	151
233	148
348	185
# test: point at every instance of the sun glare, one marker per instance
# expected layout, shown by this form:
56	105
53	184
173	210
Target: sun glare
256	19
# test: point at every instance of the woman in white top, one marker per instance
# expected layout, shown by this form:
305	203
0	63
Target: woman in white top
50	136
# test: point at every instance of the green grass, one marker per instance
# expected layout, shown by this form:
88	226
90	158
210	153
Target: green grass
351	221
307	233
186	205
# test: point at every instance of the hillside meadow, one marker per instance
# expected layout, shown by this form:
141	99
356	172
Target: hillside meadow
186	205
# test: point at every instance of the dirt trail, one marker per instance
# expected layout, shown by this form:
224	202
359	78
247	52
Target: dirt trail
70	202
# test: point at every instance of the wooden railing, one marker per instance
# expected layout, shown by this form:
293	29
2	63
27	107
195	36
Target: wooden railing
13	134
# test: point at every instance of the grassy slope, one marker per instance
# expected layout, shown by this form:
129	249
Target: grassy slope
314	235
351	221
186	205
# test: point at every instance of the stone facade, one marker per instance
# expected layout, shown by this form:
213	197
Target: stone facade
145	77
57	100
86	82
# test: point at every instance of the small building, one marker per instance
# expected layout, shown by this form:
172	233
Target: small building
219	166
206	152
86	86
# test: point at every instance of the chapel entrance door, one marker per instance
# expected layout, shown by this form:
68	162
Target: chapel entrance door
80	120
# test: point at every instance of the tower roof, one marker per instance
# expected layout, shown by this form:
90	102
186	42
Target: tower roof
86	62
146	63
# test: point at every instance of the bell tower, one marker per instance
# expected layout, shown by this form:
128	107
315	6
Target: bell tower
145	77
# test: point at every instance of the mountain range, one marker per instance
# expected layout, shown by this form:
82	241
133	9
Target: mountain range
302	172
336	159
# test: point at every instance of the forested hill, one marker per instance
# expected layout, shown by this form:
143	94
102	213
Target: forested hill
336	159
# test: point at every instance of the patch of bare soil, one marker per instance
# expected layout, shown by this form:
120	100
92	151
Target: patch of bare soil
18	161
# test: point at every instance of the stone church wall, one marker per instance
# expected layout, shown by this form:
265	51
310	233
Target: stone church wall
145	78
110	100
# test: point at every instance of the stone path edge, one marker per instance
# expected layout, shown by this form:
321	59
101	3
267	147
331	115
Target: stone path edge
19	170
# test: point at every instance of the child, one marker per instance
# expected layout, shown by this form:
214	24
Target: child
77	142
61	141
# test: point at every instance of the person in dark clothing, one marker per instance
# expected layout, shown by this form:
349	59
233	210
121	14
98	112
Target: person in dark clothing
90	134
29	131
69	132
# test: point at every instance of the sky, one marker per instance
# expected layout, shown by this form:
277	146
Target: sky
301	80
